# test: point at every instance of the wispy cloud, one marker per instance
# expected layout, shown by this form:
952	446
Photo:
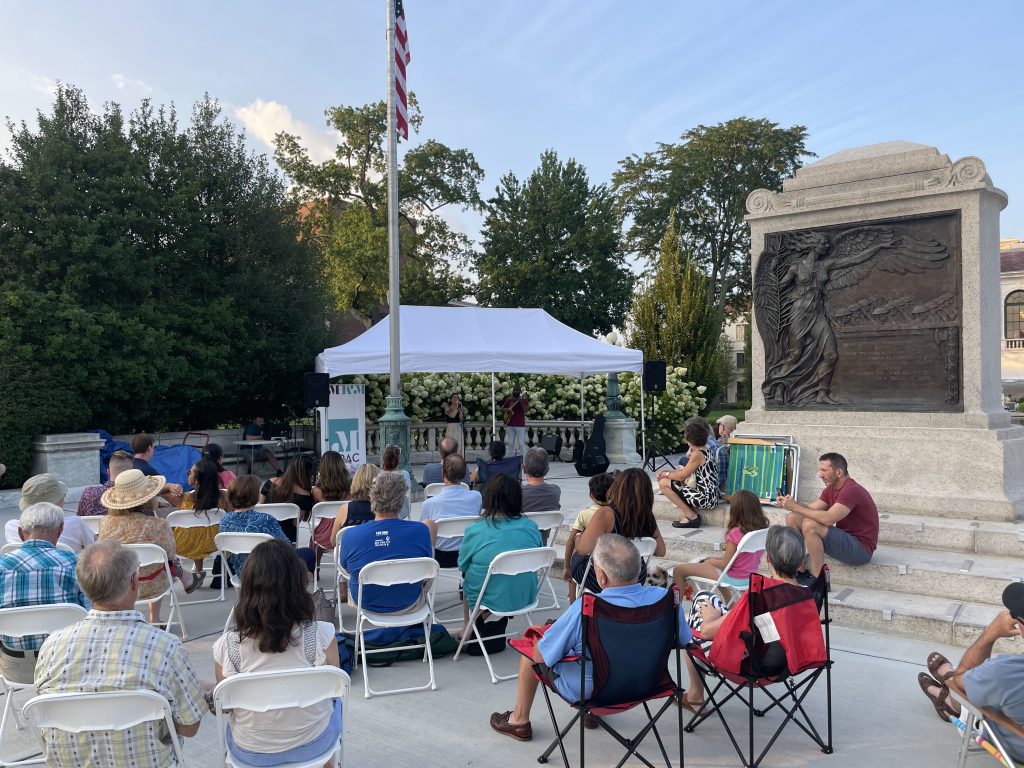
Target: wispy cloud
43	84
131	85
265	119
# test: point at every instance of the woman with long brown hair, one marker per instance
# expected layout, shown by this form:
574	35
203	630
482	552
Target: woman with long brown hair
333	483
295	486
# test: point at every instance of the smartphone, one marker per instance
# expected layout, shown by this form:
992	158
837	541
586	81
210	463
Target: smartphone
778	493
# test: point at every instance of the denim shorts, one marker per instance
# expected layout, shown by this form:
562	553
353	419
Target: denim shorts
845	548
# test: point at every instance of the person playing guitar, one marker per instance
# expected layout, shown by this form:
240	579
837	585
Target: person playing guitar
514	415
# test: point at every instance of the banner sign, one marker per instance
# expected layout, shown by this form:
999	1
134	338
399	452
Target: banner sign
343	423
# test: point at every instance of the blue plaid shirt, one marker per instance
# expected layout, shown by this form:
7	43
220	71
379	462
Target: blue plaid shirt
37	574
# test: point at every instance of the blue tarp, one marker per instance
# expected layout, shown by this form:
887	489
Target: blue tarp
171	461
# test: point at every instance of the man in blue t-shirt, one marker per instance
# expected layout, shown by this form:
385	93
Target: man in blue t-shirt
386	537
257	430
616	563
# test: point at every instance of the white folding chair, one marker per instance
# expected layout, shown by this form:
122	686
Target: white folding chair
341	575
19	622
93	522
282	512
388	573
152	554
645	545
453	528
282	689
81	712
14	545
537	560
236	544
433	489
549	522
323	510
751	542
187	518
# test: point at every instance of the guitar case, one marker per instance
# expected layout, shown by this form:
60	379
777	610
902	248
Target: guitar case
589	455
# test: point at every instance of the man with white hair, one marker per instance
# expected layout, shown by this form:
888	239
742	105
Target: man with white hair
46	487
37	573
114	648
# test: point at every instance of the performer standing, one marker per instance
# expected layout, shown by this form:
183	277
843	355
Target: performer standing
515	408
455	416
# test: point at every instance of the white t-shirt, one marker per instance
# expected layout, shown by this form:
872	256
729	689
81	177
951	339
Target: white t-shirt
280	729
76	533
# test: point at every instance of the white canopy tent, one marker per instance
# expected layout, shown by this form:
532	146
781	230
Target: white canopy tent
480	339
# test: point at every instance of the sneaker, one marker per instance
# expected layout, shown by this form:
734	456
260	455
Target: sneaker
521	731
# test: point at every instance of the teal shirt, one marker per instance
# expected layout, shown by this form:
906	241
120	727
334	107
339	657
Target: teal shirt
484	541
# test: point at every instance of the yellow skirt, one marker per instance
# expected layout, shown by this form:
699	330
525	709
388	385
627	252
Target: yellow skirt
196	543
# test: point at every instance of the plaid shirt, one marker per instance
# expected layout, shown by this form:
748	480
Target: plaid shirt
118	650
37	574
723	463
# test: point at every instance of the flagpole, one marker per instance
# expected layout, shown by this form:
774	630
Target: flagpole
394	422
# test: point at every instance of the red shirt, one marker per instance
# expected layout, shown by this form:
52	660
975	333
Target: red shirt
862	522
517	416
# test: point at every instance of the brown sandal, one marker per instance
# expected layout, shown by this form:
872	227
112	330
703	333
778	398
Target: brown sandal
937	660
941	702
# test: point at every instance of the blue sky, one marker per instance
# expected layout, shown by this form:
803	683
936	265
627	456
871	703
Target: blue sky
593	79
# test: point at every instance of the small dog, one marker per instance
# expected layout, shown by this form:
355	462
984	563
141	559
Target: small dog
657	576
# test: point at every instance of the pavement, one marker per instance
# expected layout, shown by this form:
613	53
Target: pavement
880	716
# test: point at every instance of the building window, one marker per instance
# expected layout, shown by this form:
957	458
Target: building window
741	360
741	333
740	394
1014	313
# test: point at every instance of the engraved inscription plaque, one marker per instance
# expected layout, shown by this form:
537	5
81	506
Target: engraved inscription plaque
862	316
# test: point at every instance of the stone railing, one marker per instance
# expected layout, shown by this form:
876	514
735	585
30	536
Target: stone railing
1013	343
424	437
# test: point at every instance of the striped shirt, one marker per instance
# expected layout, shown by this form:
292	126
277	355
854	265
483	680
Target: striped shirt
111	651
37	574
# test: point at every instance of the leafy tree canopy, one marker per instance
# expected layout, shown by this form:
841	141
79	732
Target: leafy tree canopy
346	201
554	241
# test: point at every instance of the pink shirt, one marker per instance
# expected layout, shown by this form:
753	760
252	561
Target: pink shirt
746	563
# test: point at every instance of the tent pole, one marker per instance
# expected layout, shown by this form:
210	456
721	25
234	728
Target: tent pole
494	415
643	422
582	418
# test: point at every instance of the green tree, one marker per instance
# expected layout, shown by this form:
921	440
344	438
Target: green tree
345	199
151	276
703	181
553	242
674	316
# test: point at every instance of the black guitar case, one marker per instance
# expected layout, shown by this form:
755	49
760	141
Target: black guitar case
590	459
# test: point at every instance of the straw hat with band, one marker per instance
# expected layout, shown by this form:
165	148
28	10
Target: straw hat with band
132	489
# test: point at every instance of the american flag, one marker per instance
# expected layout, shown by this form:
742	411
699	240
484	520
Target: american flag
401	59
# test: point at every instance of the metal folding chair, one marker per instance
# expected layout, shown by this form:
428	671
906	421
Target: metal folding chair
282	512
152	554
187	518
751	542
549	522
236	544
323	510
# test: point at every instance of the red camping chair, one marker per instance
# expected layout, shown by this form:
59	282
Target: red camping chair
622	678
773	635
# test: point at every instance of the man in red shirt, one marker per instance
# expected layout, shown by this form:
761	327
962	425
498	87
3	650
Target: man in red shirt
515	408
842	522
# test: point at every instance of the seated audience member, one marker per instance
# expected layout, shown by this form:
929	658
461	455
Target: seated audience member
387	537
75	535
630	513
215	453
275	628
130	520
36	574
197	543
784	554
108	647
295	486
495	464
616	563
389	463
539	496
243	495
452	501
144	446
432	472
992	683
502	528
89	503
257	430
693	486
599	486
357	511
841	523
726	426
332	484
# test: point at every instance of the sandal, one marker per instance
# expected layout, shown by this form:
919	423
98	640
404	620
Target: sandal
941	702
693	706
935	661
197	582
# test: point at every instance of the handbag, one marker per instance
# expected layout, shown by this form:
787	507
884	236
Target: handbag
325	609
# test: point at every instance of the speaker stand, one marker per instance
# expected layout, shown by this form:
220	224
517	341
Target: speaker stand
653	454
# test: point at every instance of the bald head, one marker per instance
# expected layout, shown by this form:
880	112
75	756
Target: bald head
447	447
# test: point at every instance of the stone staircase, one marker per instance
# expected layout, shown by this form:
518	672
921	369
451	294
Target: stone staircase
931	578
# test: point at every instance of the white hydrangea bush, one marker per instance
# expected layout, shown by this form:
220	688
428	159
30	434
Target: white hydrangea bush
551	397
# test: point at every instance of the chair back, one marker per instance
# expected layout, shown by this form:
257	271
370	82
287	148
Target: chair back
101	711
454	527
325	510
611	635
149	554
281	689
511	466
39	619
387	573
93	522
518	561
240	543
548	522
190	518
280	511
432	490
646	546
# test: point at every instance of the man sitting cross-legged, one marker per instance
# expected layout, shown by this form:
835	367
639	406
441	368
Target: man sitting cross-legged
433	473
616	562
452	501
113	648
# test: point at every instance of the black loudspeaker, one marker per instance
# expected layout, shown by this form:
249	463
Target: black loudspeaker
654	376
316	390
552	443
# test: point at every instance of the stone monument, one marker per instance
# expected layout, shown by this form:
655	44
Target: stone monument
877	329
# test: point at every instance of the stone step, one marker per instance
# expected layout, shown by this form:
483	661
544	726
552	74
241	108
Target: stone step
980	537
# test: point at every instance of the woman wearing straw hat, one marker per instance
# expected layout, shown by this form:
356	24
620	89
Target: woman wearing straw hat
131	503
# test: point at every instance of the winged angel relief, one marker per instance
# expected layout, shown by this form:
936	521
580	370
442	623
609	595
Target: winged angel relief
795	275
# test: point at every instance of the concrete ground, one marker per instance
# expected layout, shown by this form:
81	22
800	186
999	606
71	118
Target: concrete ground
880	716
